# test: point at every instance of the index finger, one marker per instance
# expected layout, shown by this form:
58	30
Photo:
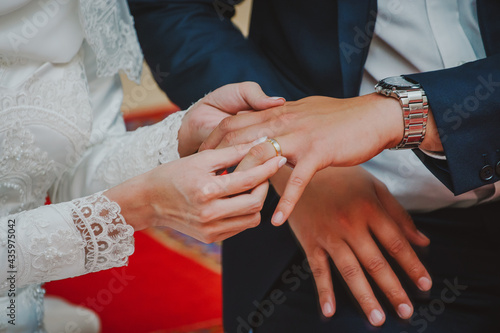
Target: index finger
300	177
234	123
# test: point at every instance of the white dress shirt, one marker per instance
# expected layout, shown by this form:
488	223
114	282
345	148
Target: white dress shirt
418	36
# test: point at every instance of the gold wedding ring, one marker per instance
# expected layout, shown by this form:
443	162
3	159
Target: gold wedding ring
276	146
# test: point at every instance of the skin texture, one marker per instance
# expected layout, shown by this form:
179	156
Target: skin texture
339	216
189	194
317	132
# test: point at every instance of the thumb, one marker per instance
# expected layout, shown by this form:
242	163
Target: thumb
255	97
245	96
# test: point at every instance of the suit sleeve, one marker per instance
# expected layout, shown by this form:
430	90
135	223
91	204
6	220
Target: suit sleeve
192	48
465	102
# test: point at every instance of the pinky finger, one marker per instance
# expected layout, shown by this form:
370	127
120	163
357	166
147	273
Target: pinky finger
300	177
320	268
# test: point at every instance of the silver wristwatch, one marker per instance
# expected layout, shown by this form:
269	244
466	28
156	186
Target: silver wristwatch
413	101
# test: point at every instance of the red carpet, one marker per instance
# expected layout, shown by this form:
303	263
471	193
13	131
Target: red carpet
160	290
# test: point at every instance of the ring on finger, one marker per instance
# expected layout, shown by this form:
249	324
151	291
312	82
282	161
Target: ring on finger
276	146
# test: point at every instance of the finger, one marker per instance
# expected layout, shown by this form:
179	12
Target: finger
218	159
400	216
235	130
300	177
393	240
242	181
320	268
233	98
242	204
221	229
255	98
257	155
353	275
376	265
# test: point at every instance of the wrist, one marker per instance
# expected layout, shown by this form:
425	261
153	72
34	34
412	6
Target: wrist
132	196
188	144
389	116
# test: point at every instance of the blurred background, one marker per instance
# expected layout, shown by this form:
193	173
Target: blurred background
173	282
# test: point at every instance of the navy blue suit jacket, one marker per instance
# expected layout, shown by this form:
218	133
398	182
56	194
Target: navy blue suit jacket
315	47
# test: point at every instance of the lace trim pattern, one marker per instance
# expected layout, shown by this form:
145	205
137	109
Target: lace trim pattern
109	30
152	146
68	239
108	239
60	103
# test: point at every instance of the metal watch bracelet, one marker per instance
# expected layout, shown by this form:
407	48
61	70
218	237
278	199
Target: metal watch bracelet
415	111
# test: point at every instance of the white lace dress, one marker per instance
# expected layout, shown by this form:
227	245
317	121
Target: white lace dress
62	134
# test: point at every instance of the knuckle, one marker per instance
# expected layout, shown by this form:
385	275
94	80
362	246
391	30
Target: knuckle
296	181
256	206
344	220
205	216
229	137
323	292
258	152
415	269
375	265
286	202
365	300
351	272
318	271
395	294
396	247
209	191
208	235
255	221
225	125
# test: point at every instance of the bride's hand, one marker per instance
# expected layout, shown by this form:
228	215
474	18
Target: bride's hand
206	114
189	196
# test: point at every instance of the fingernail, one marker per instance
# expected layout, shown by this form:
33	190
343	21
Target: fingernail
277	218
282	162
404	311
259	141
376	317
277	97
422	235
327	309
424	284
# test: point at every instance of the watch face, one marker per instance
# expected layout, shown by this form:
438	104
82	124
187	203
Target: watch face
399	82
396	83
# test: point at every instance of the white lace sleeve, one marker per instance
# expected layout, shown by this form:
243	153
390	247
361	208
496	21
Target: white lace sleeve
63	240
119	157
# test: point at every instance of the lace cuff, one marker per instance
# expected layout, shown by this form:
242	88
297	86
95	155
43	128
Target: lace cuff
169	148
107	239
64	240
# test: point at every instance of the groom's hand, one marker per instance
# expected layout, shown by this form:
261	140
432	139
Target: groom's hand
317	132
204	116
339	216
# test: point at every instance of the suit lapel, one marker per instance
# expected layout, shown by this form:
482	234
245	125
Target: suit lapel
355	25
